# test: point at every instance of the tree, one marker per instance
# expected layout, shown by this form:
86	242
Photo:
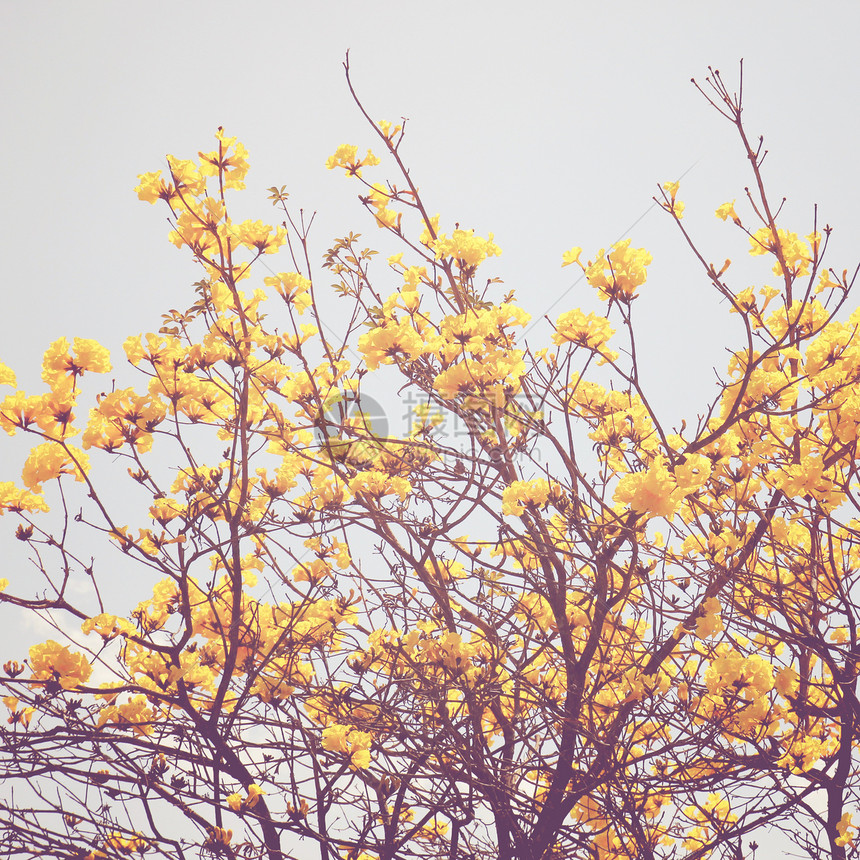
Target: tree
584	635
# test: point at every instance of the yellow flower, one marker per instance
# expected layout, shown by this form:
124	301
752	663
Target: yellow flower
693	473
379	198
711	622
430	232
346	156
334	737
259	236
619	275
786	681
350	741
135	713
727	210
653	491
219	837
50	460
151	187
730	666
808	478
186	177
20	411
123	417
467	249
591	331
89	356
845	838
570	257
16	717
108	626
388	129
432	831
794	250
127	845
713	813
133	348
384	344
254	794
52	661
292	287
376	484
745	301
7	375
825	282
676	207
520	494
233	165
360	758
14	499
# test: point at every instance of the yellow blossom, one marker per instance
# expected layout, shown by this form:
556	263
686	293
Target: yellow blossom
254	794
786	681
219	836
346	156
620	273
467	249
389	129
260	237
384	344
50	460
376	484
652	491
520	494
570	257
135	713
346	739
52	661
152	187
710	622
574	326
89	355
15	499
676	207
230	160
727	210
794	251
292	287
842	828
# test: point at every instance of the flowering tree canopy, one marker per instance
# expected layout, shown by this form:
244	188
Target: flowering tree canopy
582	634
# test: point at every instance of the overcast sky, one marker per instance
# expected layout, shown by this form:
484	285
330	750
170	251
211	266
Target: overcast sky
548	124
550	128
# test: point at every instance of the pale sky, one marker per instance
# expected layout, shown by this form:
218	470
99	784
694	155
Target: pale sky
550	129
548	124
